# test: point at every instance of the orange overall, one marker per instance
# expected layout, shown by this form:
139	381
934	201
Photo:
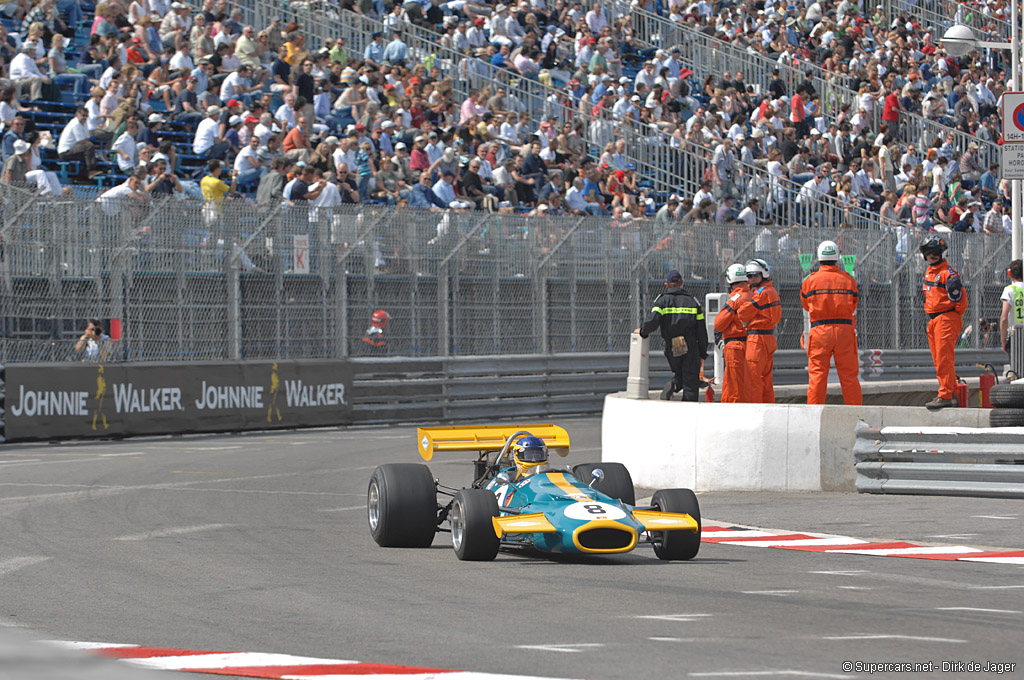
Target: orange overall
945	301
830	298
735	385
761	314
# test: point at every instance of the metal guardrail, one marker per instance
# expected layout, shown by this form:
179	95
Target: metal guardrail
460	388
943	461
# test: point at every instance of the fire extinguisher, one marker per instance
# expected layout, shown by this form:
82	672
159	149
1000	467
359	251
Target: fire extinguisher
985	383
961	392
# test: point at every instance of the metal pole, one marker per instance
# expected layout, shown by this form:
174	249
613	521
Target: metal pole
1015	187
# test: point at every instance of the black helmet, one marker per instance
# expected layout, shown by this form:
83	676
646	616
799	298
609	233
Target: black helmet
933	244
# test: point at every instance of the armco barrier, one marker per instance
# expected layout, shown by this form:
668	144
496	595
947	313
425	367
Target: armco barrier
957	461
51	401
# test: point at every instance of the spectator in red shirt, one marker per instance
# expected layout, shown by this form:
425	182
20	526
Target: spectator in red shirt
419	161
891	113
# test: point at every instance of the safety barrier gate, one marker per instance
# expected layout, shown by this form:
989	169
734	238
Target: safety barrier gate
943	461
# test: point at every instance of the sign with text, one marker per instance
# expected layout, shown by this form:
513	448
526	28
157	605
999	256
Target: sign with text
47	401
300	250
1011	161
1013	116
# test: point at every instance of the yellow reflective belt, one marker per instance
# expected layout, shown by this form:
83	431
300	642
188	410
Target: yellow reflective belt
676	310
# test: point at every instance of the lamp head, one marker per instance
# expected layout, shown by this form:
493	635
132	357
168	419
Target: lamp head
959	40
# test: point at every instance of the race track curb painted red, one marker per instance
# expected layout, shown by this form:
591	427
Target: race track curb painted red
279	666
830	543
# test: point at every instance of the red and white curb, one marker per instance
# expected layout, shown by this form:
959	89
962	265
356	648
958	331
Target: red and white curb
279	666
830	543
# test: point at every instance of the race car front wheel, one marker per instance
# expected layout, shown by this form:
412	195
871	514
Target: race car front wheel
677	545
401	506
617	482
473	534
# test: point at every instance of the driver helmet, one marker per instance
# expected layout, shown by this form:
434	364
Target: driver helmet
529	453
736	273
379	318
759	266
933	245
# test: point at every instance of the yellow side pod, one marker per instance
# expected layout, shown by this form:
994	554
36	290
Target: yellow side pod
665	521
534	523
485	438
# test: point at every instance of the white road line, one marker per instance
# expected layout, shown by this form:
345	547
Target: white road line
957	536
994	587
666	639
855	587
16	563
768	543
994	516
230	659
978	609
916	638
794	673
997	560
671	617
735	534
173	531
851	572
118	455
66	644
567	648
920	550
209	448
782	593
19	461
443	675
351	507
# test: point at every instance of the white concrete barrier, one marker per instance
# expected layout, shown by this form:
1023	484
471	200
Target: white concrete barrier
750	447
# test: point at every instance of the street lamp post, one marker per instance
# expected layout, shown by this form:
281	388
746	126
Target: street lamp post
960	40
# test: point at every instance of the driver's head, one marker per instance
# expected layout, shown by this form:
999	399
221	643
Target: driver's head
529	453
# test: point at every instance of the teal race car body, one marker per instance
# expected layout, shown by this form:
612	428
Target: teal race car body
589	509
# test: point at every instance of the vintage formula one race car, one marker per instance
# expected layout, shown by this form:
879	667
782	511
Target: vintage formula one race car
518	499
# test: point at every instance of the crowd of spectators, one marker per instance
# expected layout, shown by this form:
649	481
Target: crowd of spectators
272	120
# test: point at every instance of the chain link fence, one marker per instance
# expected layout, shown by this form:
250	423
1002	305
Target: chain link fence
188	281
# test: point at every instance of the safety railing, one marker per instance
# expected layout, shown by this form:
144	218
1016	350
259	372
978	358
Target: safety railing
958	461
942	14
188	281
709	55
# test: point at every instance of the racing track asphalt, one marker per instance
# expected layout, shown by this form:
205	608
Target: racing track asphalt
259	542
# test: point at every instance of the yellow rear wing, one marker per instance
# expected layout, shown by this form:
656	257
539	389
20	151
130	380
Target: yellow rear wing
486	438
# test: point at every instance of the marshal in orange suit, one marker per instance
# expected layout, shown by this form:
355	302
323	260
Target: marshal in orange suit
945	302
830	297
760	315
733	337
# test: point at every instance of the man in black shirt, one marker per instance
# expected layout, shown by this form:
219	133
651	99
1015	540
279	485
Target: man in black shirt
161	181
281	73
346	186
186	105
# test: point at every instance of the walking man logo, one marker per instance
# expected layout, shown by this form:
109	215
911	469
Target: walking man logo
101	391
275	386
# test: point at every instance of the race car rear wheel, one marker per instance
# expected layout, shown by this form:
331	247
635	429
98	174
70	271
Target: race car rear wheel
473	534
401	506
676	545
617	482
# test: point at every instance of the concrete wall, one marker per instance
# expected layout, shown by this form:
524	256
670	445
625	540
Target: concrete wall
750	447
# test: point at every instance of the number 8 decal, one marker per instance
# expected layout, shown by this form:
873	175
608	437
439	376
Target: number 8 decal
595	509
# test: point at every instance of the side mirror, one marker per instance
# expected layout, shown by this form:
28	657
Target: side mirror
503	478
595	477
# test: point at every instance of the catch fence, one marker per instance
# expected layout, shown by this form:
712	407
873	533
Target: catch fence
189	282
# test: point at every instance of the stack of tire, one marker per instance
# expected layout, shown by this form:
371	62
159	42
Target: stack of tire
1008	401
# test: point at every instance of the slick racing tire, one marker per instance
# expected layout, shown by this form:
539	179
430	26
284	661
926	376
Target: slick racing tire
1011	396
617	481
1006	417
401	506
676	545
473	534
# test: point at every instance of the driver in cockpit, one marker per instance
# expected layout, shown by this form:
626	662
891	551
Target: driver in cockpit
530	455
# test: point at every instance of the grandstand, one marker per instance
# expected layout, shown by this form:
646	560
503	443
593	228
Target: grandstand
670	115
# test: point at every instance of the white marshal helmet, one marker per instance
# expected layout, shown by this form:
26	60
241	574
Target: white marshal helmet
736	273
758	266
828	251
